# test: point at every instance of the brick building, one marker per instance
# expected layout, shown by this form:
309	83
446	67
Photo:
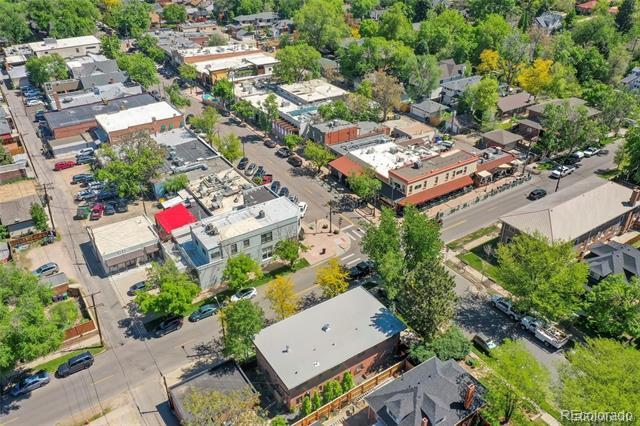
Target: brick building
351	332
153	118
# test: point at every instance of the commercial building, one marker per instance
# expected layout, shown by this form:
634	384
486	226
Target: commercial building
338	131
153	118
78	120
351	332
236	68
71	145
97	94
16	200
311	92
172	218
253	229
591	211
125	244
72	47
433	393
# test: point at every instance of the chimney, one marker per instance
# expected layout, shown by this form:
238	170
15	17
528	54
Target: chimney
468	398
635	197
56	98
424	422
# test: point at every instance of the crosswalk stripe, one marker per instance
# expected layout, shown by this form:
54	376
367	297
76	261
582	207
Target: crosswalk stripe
347	227
356	260
358	233
351	237
347	256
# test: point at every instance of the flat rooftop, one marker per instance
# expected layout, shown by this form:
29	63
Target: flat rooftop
206	67
326	335
101	93
85	113
12	191
136	116
220	191
383	157
312	91
216	50
121	237
49	44
435	164
257	100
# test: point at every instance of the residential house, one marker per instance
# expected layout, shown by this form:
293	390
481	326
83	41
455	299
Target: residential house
257	20
72	47
351	332
253	230
125	244
500	138
517	103
632	80
532	127
16	200
550	21
428	111
613	258
433	393
153	118
453	90
591	211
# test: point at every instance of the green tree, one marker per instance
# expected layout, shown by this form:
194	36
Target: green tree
332	279
279	421
318	154
369	28
176	291
244	109
452	344
387	91
219	408
287	8
4	232
316	400
479	9
13	23
331	391
206	122
514	50
148	45
564	83
229	146
321	23
631	166
602	376
39	217
46	68
292	141
482	99
174	13
241	321
362	8
188	72
491	32
5	156
110	46
175	183
306	407
544	277
347	382
568	128
131	19
425	77
64	314
446	35
615	104
298	62
527	378
420	352
335	110
394	25
140	68
176	97
133	166
612	307
282	296
625	16
240	269
223	89
600	32
270	105
64	18
287	250
365	184
217	39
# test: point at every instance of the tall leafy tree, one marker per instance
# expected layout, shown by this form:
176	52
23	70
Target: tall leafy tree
318	154
207	121
174	13
39	217
612	307
13	23
110	46
321	23
564	83
5	156
602	376
188	72
148	45
446	35
229	146
600	32
631	166
362	8
241	321
176	97
64	18
288	8
140	68
491	32
544	277
223	89
240	269
480	8
298	62
626	15
365	184
46	68
218	408
394	25
332	279
537	77
425	77
387	91
176	294
481	99
514	52
567	128
288	250
282	296
131	19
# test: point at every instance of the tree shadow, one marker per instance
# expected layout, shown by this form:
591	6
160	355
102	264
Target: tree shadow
310	300
303	171
204	355
133	325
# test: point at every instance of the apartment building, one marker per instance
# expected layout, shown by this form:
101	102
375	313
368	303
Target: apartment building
72	47
153	118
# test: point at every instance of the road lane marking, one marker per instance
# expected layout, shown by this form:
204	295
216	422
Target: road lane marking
454	225
103	379
347	219
358	233
306	290
11	421
347	227
347	256
356	260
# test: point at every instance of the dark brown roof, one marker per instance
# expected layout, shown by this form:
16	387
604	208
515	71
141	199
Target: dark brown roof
515	102
501	137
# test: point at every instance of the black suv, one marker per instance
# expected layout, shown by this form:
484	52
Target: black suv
169	324
243	163
361	270
75	364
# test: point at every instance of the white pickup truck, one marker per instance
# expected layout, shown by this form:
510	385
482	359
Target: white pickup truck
506	306
548	334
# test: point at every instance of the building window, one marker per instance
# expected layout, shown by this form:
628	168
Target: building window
163	128
215	254
246	243
435	182
170	126
266	237
234	248
446	177
267	252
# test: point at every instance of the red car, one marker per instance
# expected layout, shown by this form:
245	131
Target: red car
96	211
61	165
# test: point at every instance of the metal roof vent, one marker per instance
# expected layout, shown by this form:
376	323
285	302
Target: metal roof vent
316	364
326	327
261	214
286	349
210	229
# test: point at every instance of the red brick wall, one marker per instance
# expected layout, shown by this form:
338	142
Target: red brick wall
12	174
153	127
74	130
341	135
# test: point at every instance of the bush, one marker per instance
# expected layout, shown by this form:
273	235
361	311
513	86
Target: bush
331	391
279	421
306	408
451	345
347	382
64	314
419	353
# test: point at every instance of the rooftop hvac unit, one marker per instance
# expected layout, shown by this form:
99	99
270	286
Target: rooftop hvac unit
261	215
210	229
417	164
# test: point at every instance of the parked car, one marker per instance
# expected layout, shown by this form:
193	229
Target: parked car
34	102
81	178
270	143
85	195
243	163
121	206
295	161
591	151
96	211
109	209
136	287
85	151
47	269
75	364
168	325
61	165
484	343
293	198
578	154
251	169
562	171
284	192
506	306
85	159
30	383
245	293
361	270
106	195
39	115
283	152
303	208
203	312
536	194
260	171
275	186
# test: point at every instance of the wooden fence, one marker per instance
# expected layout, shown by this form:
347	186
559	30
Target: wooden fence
346	398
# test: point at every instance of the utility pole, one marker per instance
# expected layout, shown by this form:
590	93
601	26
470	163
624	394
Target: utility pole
95	314
47	201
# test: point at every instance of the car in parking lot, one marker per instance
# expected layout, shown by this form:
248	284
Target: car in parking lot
82	178
33	102
85	151
85	195
169	324
250	170
243	163
203	312
283	152
30	383
61	165
74	364
109	209
536	194
284	191
136	287
591	151
484	343
295	161
121	206
245	293
106	195
39	115
293	198
562	171
361	270
275	186
96	211
85	159
270	143
260	171
46	269
303	208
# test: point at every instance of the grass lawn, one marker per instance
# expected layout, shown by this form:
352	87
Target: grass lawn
480	265
637	244
52	366
609	174
547	165
460	242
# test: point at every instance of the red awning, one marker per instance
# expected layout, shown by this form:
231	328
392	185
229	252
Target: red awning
345	166
174	217
437	191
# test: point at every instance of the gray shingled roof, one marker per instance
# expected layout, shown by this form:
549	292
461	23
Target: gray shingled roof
613	258
501	136
298	348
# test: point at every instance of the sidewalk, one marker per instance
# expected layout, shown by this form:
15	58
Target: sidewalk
91	342
323	245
